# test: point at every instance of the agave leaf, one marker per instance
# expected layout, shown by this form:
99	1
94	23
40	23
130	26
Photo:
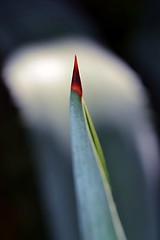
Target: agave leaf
94	138
98	218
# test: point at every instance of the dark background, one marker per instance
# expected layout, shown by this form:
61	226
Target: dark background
130	28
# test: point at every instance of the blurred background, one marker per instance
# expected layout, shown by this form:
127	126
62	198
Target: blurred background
130	29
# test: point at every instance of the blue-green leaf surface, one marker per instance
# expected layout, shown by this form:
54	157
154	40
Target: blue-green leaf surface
98	218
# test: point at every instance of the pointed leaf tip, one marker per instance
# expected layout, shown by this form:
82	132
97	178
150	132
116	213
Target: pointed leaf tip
76	81
75	62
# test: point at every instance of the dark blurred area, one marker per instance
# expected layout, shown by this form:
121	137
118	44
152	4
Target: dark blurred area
129	28
20	213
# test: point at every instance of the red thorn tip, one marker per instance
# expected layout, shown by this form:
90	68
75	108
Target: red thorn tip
75	62
76	81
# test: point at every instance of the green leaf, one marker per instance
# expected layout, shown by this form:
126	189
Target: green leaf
98	218
94	138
